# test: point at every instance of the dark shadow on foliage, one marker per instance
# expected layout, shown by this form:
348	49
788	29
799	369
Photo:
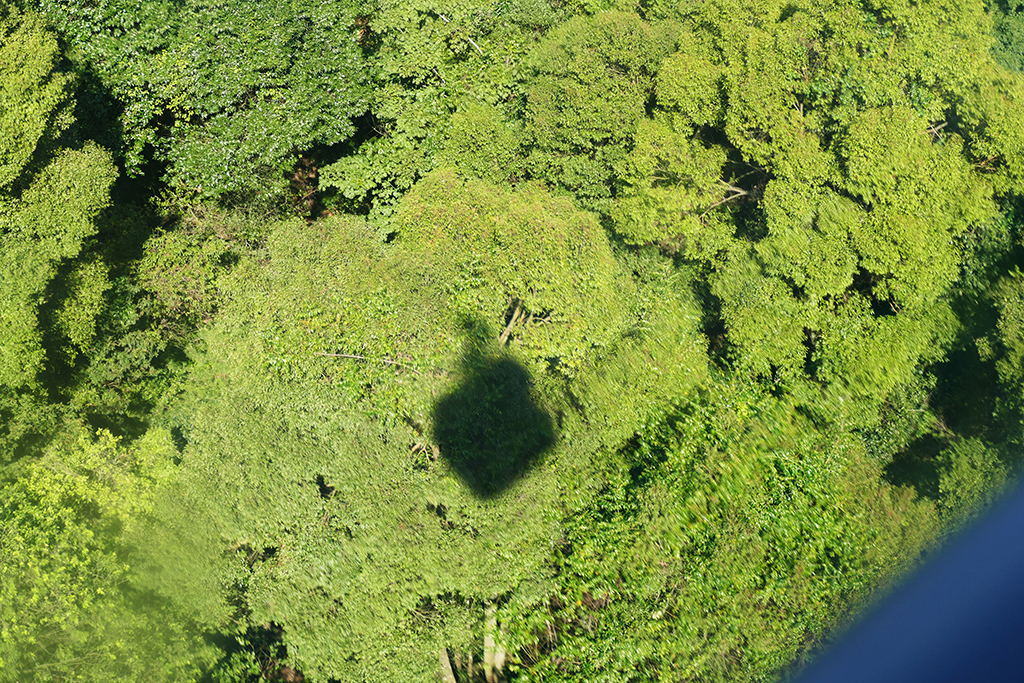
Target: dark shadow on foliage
251	657
489	427
97	112
122	231
918	466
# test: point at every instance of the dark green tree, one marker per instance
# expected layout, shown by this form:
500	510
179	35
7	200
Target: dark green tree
447	88
226	95
587	91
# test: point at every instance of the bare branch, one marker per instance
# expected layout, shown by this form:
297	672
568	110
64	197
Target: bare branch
984	165
516	315
475	45
934	130
468	39
736	192
447	675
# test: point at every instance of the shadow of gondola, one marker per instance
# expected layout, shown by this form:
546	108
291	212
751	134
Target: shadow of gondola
489	427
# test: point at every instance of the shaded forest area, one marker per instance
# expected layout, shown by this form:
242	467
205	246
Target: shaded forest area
518	340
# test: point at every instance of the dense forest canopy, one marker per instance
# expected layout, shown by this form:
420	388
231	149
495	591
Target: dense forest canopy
519	340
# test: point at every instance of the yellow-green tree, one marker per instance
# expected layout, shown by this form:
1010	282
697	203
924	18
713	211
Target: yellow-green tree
385	434
821	161
70	604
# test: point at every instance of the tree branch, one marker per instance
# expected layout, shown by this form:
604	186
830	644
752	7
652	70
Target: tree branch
737	192
516	314
475	45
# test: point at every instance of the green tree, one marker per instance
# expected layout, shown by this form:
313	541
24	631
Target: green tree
50	196
482	425
972	477
71	608
588	89
728	538
1008	20
820	161
536	266
227	95
440	75
361	543
339	425
1004	346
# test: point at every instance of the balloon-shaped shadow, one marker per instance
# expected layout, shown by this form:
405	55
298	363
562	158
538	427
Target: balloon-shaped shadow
489	427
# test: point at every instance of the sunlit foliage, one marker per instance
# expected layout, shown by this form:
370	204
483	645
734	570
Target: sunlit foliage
522	341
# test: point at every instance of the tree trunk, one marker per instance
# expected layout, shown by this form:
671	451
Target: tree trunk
494	654
447	675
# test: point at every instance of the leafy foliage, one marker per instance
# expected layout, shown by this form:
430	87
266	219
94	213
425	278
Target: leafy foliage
225	94
591	82
973	477
662	336
824	191
537	265
447	86
70	606
49	199
1007	18
358	354
701	560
